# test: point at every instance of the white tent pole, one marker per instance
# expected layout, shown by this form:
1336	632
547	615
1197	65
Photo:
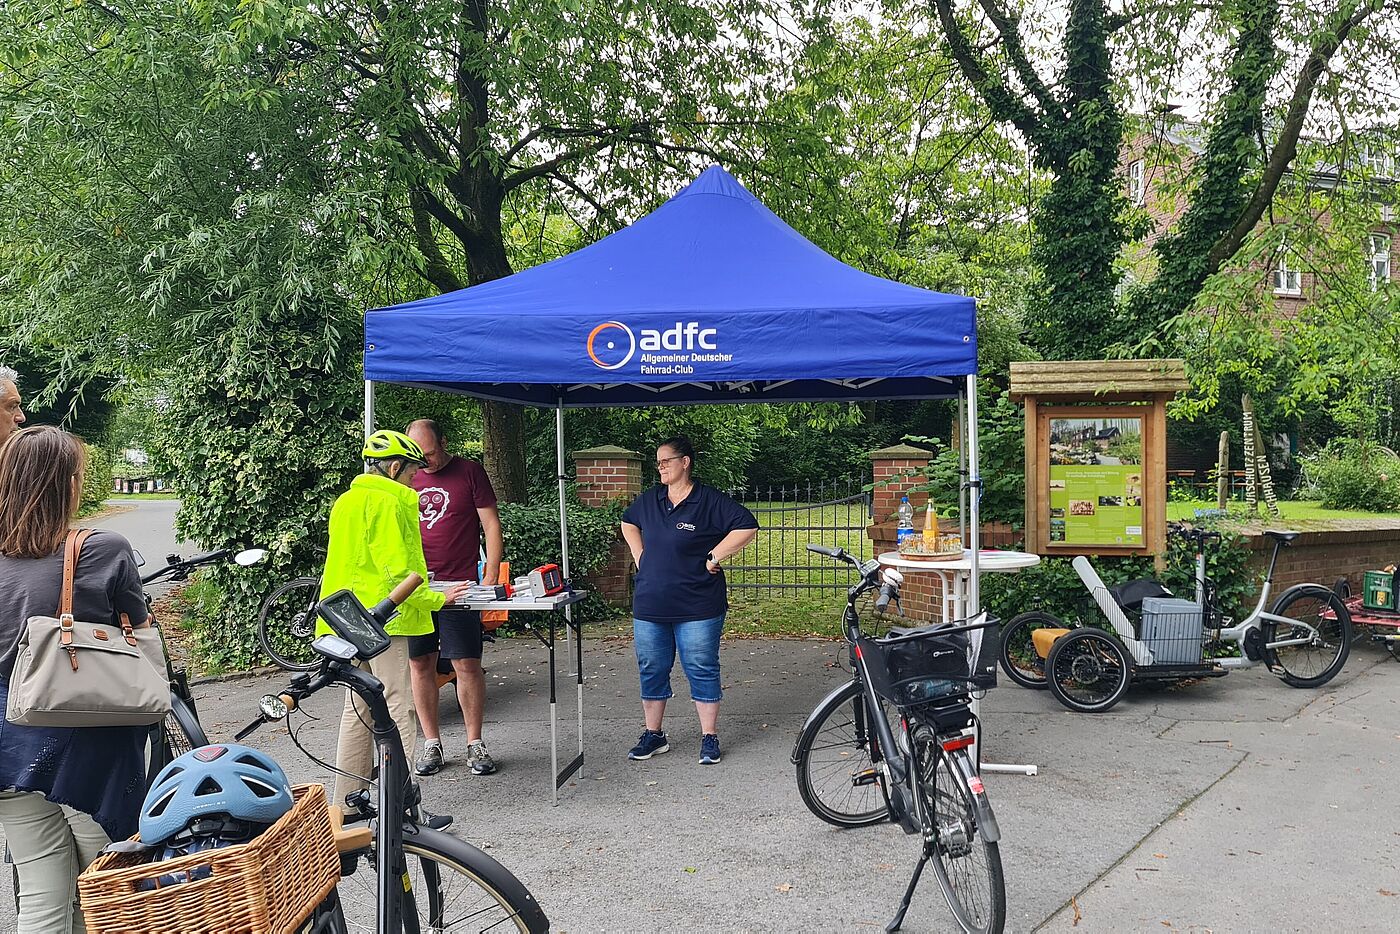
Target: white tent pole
369	407
962	469
974	479
559	464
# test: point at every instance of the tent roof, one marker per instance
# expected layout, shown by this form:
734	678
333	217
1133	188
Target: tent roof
710	298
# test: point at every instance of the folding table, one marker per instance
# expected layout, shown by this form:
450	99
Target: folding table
551	606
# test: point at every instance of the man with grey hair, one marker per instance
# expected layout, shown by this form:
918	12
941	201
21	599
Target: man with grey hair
11	415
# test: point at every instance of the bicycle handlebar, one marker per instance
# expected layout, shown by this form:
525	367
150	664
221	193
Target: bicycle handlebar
405	588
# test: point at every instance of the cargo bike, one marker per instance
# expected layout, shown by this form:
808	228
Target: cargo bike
1149	634
1376	610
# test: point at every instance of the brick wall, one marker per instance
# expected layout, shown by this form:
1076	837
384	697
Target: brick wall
921	594
890	468
1324	556
603	474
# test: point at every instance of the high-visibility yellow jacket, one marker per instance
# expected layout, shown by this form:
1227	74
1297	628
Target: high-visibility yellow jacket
374	543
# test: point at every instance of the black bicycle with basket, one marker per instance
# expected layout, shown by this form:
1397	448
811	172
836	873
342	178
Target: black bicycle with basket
893	743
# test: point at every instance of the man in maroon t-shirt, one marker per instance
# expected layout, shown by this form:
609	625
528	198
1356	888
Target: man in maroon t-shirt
456	509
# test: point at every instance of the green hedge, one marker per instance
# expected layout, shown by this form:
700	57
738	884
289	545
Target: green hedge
97	480
531	535
1053	586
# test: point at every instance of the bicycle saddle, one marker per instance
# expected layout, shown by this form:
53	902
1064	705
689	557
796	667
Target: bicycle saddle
1284	537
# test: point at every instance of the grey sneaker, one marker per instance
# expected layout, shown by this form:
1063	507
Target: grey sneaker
479	759
430	761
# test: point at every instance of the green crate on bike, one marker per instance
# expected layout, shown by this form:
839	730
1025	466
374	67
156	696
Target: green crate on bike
1379	590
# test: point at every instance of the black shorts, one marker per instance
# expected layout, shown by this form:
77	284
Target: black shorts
456	634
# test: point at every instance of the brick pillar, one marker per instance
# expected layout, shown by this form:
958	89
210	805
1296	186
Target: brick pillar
608	473
888	465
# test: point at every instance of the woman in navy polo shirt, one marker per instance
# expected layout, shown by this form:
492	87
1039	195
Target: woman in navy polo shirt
679	533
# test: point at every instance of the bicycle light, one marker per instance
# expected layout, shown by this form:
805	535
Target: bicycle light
272	707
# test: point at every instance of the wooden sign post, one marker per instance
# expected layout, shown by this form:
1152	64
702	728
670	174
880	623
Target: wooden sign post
1096	454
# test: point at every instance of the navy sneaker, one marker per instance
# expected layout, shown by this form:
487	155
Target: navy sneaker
709	749
651	743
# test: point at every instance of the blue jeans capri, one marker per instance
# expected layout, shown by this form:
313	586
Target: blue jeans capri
697	642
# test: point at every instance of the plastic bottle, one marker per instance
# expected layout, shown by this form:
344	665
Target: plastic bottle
931	529
905	530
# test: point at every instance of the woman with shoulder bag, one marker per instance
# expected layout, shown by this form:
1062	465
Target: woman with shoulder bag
65	792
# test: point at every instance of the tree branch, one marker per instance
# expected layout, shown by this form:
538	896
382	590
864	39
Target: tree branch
602	210
1005	104
1010	32
436	269
1336	31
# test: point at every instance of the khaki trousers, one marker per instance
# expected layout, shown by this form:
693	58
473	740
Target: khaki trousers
355	753
50	844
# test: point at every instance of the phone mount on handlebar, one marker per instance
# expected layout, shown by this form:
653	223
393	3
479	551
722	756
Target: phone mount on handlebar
349	620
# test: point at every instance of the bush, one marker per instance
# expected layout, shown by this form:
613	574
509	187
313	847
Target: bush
531	534
97	480
1350	474
1053	586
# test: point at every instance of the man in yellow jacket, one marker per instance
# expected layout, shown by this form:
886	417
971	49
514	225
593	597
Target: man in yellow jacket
374	544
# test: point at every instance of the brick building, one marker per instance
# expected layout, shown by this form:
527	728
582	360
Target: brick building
1155	160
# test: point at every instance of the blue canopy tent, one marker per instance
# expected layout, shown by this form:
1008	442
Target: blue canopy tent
711	298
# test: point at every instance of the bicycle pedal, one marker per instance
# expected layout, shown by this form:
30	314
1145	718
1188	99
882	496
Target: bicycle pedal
867	777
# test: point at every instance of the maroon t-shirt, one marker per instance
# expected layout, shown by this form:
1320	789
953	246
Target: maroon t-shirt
447	505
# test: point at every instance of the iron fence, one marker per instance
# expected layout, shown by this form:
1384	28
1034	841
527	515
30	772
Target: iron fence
833	513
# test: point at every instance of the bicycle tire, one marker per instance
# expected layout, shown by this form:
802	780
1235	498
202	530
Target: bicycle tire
827	765
287	625
1085	659
959	851
499	899
174	736
1018	656
1337	638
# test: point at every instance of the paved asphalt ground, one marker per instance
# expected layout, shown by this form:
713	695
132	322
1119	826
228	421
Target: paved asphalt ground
1230	805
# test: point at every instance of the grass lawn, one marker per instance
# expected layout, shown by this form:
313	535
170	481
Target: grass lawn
162	495
1303	511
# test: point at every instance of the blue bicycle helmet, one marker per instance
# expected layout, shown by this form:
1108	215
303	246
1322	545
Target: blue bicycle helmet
235	782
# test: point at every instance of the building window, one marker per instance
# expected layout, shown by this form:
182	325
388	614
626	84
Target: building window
1137	186
1288	279
1378	159
1378	260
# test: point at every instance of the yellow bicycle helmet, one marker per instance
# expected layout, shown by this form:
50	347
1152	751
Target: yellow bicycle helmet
385	443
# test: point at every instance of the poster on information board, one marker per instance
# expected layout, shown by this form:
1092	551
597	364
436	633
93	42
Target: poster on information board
1096	482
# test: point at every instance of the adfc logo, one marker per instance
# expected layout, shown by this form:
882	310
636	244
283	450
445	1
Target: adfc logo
611	344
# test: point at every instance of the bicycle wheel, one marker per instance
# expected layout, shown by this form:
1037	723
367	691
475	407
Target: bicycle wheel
968	865
287	624
835	758
1019	658
1317	661
1089	670
453	887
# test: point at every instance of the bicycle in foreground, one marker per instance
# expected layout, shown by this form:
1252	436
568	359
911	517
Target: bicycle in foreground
411	878
1304	638
181	731
893	744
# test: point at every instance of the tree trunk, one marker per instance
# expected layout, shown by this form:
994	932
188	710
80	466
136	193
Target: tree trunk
503	445
1222	477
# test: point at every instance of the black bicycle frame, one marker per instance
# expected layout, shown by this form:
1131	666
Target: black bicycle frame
394	799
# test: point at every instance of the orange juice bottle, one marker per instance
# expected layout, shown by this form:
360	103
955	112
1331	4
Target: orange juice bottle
931	528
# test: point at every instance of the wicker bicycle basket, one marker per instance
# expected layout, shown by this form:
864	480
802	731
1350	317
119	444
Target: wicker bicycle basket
267	886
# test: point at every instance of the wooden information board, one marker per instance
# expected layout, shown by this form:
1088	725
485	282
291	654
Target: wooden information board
1096	445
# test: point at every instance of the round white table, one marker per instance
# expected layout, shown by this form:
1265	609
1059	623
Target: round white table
954	575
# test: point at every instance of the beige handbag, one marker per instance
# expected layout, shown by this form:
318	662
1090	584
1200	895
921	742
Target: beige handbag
70	673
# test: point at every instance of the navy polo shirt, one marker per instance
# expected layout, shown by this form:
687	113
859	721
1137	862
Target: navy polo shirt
672	584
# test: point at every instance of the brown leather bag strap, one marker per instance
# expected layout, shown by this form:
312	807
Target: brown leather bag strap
72	549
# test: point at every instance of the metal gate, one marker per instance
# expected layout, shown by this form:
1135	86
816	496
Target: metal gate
833	513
